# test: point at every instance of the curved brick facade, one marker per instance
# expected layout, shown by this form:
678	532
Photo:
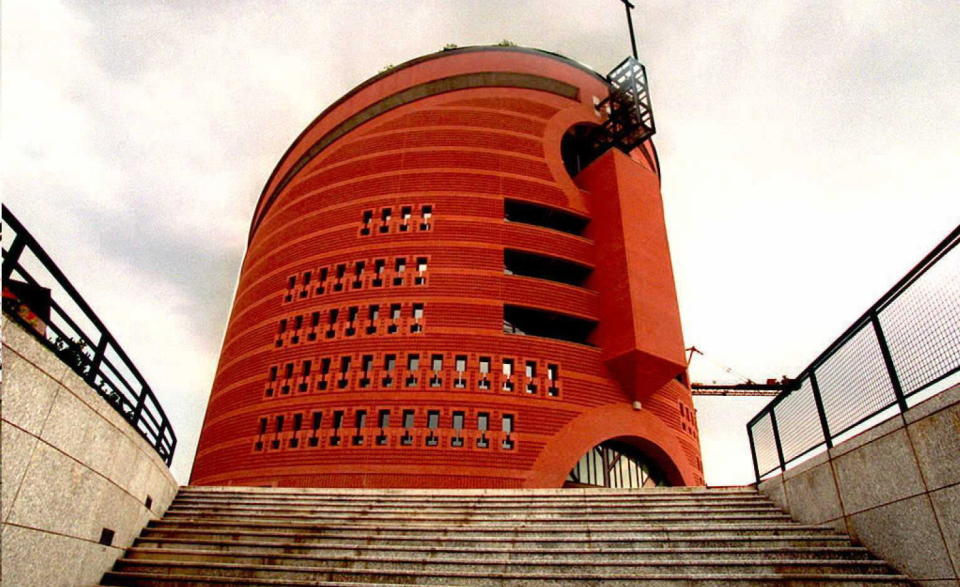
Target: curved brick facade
375	286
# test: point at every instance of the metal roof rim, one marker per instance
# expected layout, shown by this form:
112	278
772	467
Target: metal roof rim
416	60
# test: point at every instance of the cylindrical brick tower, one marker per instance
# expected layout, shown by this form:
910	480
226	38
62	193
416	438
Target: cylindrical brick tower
443	289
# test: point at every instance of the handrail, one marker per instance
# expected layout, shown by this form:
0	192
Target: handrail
877	363
98	358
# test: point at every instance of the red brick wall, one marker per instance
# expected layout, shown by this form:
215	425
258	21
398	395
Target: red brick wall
461	152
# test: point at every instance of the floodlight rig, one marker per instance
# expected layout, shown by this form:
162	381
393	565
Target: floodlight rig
627	112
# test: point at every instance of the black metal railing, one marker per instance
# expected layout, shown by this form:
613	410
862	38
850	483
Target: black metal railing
39	296
906	343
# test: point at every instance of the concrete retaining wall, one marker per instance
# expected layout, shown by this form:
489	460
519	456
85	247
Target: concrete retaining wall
72	467
894	488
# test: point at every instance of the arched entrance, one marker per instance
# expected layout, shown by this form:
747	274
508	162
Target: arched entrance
617	465
577	148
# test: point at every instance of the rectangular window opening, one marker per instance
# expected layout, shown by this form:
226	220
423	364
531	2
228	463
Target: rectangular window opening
426	213
507	425
383	421
545	267
483	424
407	438
457	440
547	324
433	422
538	215
360	420
337	425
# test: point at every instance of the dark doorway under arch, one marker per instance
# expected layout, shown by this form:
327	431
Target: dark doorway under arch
577	147
617	465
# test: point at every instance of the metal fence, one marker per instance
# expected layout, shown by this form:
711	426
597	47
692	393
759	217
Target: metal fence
39	296
906	343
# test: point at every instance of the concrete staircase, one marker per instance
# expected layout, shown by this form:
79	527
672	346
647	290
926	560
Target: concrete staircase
679	536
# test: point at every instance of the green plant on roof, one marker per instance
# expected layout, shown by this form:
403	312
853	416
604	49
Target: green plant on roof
506	43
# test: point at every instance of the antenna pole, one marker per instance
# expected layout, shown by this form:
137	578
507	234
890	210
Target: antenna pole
633	40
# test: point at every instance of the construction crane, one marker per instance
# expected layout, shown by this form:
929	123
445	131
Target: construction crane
748	388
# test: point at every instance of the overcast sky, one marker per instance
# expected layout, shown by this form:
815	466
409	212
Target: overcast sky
809	154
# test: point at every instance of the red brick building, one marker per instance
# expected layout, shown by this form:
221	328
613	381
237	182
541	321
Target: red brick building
436	295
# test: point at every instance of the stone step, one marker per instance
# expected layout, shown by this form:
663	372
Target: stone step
429	572
251	536
114	578
551	542
584	510
474	500
432	493
276	551
583	530
479	518
467	498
